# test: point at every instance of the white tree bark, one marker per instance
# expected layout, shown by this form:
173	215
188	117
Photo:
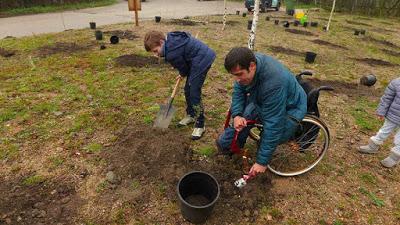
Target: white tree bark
252	35
224	18
330	17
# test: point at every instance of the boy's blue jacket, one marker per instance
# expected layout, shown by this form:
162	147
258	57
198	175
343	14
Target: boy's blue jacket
188	55
277	96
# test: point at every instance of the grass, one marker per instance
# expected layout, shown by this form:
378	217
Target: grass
364	114
32	180
368	178
375	200
206	151
55	8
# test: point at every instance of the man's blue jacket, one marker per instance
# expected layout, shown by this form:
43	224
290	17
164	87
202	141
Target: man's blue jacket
277	95
188	55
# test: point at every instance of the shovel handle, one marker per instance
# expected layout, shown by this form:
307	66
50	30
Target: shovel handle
176	87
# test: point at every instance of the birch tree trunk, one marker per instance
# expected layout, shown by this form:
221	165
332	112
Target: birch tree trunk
330	17
224	18
252	35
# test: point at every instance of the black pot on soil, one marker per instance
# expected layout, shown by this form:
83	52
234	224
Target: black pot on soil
356	32
296	23
314	24
310	57
102	47
244	14
237	12
362	32
99	35
92	25
324	28
157	19
114	40
286	24
198	192
368	80
305	24
276	22
267	18
249	24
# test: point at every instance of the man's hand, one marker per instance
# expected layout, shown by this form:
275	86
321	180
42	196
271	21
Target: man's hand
239	123
257	168
179	77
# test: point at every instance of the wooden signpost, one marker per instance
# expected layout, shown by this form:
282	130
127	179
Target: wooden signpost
135	5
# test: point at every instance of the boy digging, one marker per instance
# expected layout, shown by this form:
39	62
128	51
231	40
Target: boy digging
192	58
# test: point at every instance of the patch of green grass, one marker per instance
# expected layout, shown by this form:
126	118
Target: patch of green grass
119	217
56	161
338	222
368	178
274	212
135	184
148	119
54	8
32	180
206	150
364	114
93	148
101	186
8	151
375	200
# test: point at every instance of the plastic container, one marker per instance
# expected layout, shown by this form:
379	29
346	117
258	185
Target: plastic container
198	192
99	35
244	14
237	12
114	40
157	19
310	57
276	22
368	80
92	25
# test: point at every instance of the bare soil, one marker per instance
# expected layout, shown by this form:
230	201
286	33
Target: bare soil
375	62
301	32
48	202
287	51
230	22
358	23
183	22
6	53
327	43
64	48
133	60
122	34
377	41
390	52
161	159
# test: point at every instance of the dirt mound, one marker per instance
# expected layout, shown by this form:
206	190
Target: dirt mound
390	52
325	19
136	60
230	23
287	51
383	42
375	62
48	202
122	34
358	23
6	53
159	158
349	89
301	32
184	22
327	43
61	47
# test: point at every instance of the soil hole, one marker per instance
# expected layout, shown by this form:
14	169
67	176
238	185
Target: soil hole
287	51
6	53
134	60
61	47
327	43
301	32
375	62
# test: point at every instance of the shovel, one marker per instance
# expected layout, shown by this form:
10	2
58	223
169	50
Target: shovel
167	111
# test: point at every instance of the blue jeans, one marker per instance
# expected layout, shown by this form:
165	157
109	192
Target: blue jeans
250	113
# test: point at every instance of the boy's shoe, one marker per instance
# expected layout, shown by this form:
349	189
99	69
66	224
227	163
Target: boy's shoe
391	160
198	133
186	121
371	148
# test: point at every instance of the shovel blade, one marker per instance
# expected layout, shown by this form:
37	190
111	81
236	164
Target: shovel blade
164	116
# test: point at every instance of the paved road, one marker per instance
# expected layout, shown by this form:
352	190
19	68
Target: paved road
55	22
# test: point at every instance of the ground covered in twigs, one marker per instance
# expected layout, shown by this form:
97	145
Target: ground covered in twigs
77	144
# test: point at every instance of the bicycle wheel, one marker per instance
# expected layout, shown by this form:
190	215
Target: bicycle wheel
301	154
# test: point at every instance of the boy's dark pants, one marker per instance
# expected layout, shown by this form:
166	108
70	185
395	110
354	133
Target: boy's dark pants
193	98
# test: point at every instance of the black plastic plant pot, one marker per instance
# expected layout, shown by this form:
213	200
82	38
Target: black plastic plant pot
198	192
310	57
267	18
157	19
237	12
92	25
99	35
286	24
314	24
362	32
305	24
276	22
249	24
102	47
324	28
296	23
356	32
290	12
244	14
368	80
114	40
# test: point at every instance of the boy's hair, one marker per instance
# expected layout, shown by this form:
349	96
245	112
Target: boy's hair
152	39
239	56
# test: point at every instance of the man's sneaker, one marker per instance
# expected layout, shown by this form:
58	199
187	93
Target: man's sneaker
198	133
390	161
371	148
186	121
